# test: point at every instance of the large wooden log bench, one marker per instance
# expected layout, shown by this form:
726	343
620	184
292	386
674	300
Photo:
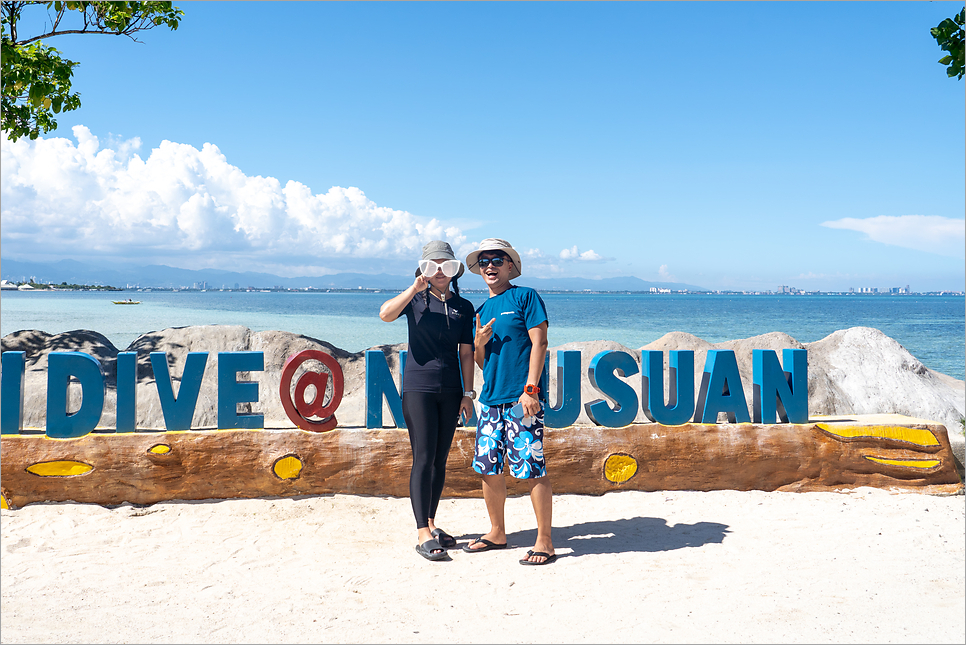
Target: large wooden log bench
828	453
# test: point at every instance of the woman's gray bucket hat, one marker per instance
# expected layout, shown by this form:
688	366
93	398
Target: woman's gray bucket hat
439	250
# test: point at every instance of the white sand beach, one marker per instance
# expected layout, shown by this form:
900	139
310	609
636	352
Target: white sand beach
864	566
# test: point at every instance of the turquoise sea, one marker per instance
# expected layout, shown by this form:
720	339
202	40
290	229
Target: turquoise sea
932	328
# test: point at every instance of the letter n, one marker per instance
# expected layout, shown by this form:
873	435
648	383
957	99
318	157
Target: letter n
379	385
777	392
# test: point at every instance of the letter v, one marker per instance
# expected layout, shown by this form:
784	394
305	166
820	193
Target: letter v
178	411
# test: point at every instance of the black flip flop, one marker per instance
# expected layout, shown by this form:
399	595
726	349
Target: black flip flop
549	558
426	550
446	540
489	546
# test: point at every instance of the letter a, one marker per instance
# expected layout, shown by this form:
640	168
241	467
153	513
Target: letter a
721	390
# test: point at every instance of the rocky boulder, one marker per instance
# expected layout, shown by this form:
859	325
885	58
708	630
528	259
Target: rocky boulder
853	371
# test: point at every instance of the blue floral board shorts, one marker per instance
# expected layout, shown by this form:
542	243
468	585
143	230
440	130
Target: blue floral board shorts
521	440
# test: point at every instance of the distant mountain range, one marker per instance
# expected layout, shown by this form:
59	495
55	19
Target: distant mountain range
165	277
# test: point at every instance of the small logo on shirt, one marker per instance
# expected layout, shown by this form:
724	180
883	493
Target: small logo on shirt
507	313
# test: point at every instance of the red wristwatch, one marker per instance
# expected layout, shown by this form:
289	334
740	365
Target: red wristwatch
531	389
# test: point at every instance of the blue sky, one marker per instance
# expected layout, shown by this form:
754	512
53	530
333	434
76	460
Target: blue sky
728	145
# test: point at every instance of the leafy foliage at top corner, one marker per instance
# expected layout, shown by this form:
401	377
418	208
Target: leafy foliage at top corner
36	79
949	37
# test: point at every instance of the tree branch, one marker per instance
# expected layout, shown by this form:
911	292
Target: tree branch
27	41
60	15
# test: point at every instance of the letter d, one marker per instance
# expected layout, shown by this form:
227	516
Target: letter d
60	367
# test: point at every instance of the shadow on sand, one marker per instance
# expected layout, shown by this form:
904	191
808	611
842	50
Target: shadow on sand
636	534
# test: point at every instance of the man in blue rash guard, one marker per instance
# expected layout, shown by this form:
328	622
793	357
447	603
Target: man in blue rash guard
510	348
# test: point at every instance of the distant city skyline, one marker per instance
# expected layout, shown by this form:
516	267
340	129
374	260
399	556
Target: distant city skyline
596	138
129	278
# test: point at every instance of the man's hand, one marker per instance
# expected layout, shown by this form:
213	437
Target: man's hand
530	403
483	332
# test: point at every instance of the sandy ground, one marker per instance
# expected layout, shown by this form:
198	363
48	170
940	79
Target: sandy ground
866	566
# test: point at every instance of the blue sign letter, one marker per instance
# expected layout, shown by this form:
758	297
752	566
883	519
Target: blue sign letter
778	393
568	390
231	392
379	384
127	392
680	405
601	375
721	389
11	392
178	412
60	367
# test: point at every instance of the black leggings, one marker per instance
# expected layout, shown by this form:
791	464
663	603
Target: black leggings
431	420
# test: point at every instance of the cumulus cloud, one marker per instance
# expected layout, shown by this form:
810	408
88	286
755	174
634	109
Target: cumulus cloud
929	233
574	253
664	273
93	197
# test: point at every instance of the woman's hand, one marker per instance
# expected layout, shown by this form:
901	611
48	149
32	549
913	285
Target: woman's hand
419	284
392	308
466	409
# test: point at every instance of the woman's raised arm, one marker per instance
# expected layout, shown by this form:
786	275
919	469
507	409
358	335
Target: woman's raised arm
391	308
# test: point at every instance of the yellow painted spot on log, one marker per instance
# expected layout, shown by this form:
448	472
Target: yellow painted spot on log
917	436
59	469
908	463
160	449
3	502
619	468
287	467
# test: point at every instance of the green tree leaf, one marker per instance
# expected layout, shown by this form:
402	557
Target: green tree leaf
35	79
949	37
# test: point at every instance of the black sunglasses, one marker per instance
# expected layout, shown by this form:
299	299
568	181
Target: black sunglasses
485	262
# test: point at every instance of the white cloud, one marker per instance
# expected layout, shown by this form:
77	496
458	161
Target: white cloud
663	272
929	233
104	199
532	254
574	253
569	254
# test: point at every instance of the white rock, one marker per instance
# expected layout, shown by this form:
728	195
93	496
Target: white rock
853	371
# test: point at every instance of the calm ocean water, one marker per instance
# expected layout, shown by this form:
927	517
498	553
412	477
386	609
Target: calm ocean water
932	328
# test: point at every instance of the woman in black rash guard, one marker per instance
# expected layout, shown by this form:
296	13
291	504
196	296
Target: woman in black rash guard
440	362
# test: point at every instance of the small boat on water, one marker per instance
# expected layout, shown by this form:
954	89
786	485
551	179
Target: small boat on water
126	302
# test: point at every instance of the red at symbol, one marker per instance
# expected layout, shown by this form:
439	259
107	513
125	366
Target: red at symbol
300	410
